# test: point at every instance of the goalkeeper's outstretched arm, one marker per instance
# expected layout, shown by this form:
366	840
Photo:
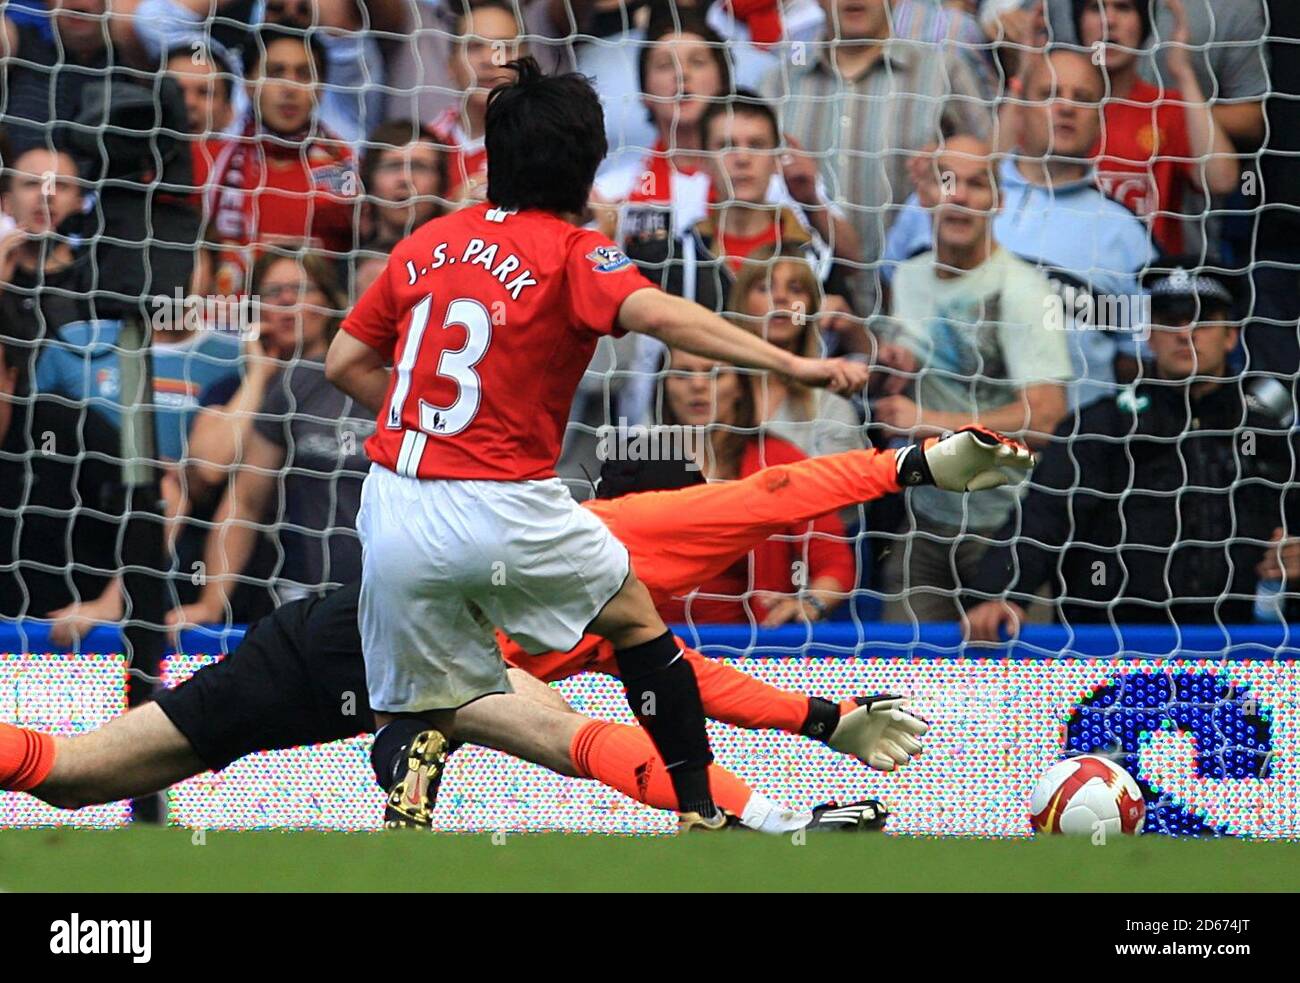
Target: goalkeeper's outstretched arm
684	537
684	324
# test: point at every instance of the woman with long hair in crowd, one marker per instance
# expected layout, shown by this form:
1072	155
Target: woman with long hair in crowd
777	295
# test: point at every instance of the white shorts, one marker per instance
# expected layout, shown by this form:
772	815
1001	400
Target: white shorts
443	562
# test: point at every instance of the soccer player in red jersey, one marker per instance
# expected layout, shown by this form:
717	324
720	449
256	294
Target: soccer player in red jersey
490	316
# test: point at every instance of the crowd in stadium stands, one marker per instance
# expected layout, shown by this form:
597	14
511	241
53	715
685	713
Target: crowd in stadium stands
1076	221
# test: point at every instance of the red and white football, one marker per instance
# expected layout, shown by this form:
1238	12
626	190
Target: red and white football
1082	795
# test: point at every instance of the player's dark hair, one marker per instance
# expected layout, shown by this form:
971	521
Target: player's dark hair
1080	7
269	34
745	102
545	137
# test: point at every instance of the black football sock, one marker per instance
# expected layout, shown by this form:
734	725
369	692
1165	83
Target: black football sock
823	717
665	697
390	747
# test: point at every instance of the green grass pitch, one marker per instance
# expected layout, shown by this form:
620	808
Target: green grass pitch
162	859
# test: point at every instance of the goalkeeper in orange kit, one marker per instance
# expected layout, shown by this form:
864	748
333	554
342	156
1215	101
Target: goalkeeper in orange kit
280	688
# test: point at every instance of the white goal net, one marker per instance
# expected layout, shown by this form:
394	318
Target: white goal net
1072	221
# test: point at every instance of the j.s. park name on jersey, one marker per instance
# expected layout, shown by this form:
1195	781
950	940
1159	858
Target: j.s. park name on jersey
477	252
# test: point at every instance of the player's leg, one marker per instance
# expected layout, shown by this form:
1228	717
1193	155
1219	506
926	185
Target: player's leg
727	694
876	730
662	691
624	758
135	754
294	680
408	756
736	698
535	724
532	723
427	647
563	575
528	685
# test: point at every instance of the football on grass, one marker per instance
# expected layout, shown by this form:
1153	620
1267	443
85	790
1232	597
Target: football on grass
1082	795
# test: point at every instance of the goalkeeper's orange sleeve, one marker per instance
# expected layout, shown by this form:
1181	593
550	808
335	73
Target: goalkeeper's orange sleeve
679	539
735	698
26	758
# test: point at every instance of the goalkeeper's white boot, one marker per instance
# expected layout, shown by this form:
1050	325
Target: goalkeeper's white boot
880	732
856	817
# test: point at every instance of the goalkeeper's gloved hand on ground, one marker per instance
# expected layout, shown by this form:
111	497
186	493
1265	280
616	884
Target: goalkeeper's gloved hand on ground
971	459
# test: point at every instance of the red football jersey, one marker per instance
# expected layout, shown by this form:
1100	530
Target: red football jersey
490	318
1145	159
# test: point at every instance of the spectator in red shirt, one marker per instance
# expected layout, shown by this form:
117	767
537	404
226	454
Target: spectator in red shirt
802	573
1156	145
286	180
207	79
487	36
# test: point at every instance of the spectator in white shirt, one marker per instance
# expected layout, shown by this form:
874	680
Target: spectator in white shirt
977	345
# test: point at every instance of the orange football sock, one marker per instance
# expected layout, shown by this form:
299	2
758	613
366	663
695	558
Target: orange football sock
624	758
733	697
26	757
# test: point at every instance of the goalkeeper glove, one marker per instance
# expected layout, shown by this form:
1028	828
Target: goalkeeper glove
879	732
971	459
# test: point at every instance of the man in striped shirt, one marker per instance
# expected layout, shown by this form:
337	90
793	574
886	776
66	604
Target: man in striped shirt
866	100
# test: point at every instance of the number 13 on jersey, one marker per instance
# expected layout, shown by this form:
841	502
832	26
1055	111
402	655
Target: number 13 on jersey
455	364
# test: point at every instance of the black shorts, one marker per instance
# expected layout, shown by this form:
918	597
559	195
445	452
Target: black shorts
297	678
